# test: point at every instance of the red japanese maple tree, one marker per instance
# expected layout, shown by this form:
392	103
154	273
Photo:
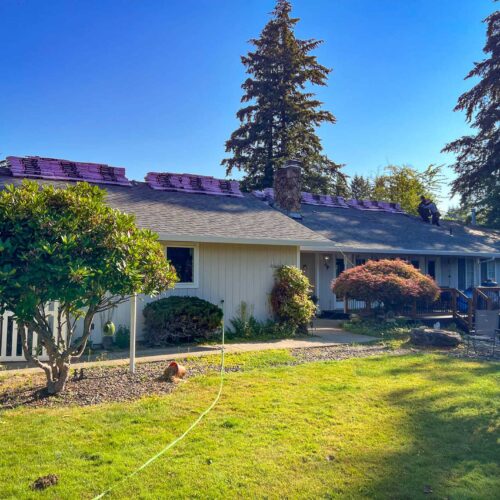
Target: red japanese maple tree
394	283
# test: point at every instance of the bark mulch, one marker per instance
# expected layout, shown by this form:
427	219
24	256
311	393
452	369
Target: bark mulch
98	385
340	352
114	384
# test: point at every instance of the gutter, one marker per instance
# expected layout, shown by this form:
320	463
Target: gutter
450	253
243	241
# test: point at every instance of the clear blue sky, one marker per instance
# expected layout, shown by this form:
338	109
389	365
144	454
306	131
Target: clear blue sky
154	85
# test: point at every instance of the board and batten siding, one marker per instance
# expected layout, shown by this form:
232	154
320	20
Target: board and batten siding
233	272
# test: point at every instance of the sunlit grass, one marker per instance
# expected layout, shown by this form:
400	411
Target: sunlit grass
386	427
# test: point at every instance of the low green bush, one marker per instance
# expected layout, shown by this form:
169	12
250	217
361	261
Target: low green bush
245	326
181	319
122	337
395	329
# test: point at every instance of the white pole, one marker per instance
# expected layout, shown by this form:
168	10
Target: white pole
133	330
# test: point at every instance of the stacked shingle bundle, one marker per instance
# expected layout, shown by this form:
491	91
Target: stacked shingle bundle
377	206
325	200
188	183
63	170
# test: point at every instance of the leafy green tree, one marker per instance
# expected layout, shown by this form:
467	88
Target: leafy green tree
360	188
478	156
281	117
68	246
405	185
459	213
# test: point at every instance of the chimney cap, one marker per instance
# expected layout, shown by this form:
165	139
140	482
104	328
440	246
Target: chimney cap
292	163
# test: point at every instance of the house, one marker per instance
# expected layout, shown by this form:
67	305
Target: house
455	255
225	244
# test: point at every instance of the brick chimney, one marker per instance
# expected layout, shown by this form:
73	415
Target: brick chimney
287	188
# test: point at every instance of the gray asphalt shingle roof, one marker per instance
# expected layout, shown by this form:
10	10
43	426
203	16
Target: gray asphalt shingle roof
382	231
199	217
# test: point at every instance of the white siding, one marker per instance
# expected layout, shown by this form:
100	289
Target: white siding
235	273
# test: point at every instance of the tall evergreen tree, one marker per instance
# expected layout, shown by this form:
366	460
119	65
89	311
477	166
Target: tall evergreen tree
280	120
360	188
478	156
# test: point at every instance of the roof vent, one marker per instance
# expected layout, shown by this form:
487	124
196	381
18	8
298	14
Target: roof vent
64	170
198	184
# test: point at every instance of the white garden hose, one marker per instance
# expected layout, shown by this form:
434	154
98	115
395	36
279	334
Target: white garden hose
186	432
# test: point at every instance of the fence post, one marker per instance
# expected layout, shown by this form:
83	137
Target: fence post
470	312
454	303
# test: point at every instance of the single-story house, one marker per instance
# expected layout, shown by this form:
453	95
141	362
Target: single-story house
455	255
225	244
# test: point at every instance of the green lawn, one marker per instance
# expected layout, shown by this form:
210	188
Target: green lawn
387	427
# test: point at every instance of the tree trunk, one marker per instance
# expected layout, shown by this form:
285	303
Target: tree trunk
56	381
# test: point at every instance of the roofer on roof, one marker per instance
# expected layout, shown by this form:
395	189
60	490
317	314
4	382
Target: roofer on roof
423	209
435	214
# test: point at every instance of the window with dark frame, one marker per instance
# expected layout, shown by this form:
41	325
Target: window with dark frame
339	267
431	269
182	258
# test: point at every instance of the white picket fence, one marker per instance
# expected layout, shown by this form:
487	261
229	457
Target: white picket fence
10	337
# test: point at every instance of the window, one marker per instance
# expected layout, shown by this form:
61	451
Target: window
360	262
431	268
185	261
339	267
465	273
488	270
415	263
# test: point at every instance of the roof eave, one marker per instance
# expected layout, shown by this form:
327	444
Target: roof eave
449	253
242	241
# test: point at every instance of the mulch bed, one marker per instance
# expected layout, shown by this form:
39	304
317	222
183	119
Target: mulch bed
98	385
340	352
114	384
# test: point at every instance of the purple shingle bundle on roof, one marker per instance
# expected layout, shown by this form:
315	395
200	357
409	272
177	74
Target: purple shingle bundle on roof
189	183
64	170
325	200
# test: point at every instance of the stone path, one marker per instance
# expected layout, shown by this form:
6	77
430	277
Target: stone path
324	334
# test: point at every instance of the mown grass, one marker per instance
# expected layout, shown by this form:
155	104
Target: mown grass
385	427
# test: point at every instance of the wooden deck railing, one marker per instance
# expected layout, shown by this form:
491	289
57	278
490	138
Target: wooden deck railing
486	298
451	302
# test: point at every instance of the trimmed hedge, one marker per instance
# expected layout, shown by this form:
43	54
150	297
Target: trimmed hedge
177	319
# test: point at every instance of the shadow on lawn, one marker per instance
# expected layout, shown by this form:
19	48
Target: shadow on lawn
451	369
454	428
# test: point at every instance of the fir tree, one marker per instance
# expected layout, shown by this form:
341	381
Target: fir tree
360	188
281	116
478	156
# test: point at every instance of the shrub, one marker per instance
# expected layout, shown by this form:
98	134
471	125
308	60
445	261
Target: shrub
397	329
175	319
394	283
246	326
122	337
290	298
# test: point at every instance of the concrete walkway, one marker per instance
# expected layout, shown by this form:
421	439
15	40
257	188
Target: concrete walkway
324	333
